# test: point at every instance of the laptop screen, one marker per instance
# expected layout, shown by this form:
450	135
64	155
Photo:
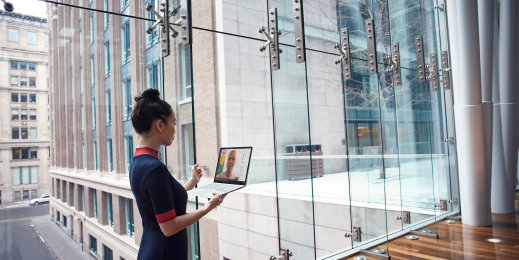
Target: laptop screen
233	165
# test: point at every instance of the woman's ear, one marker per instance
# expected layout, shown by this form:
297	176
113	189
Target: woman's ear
160	125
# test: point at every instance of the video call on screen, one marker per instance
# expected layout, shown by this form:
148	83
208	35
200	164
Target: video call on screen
232	164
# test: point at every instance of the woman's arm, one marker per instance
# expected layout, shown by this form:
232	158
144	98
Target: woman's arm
179	223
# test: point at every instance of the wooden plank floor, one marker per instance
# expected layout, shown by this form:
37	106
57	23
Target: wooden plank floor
458	241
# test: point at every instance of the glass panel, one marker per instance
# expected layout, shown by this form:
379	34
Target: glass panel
15	133
16	176
25	175
33	133
34	174
14	97
23	81
24	133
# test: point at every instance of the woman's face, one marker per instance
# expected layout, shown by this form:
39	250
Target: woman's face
231	161
169	131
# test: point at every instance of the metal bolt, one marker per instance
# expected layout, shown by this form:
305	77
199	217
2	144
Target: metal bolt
421	77
296	1
299	56
421	72
272	12
183	16
184	27
344	38
346	68
297	16
347	75
274	64
272	27
298	47
394	50
394	44
298	39
272	20
369	30
398	82
371	62
279	32
418	38
372	69
419	50
184	38
369	23
420	66
297	9
417	44
397	77
273	56
369	36
371	55
343	31
164	49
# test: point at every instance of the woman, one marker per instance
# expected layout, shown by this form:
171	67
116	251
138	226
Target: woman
160	198
231	162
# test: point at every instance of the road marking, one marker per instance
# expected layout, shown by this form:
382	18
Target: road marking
43	239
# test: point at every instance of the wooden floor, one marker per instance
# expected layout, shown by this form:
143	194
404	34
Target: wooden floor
458	241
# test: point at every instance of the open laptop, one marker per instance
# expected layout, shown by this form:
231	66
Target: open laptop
232	169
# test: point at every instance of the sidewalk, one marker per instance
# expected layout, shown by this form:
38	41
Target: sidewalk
58	241
17	204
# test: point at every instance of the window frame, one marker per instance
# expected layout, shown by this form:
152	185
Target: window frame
29	37
9	35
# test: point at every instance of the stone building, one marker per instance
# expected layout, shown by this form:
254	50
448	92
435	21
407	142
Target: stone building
24	106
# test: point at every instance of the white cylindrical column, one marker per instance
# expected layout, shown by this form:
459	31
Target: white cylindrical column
474	180
504	168
452	15
486	51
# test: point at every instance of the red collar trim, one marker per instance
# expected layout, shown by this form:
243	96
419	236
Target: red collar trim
146	150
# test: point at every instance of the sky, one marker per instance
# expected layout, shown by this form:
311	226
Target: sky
29	7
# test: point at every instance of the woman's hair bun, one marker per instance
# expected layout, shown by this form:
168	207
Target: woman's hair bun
151	93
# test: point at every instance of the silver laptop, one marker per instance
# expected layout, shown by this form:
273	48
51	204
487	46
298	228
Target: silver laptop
231	173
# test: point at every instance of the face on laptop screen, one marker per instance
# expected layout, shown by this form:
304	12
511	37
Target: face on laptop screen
233	164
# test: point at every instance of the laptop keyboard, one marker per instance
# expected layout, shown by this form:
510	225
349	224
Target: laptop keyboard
221	187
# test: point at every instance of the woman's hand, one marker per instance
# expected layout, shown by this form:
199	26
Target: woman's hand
196	174
215	201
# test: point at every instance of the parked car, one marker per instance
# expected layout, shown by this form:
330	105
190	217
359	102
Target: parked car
44	199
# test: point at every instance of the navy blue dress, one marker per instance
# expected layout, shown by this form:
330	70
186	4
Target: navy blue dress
159	198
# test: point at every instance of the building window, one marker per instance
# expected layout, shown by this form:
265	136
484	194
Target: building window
128	151
93	244
24	134
95	156
32	98
110	158
24	114
14	64
47	38
31	37
127	98
83	196
15	114
34	194
32	82
124	3
32	115
91	28
95	202
64	221
129	216
92	71
23	97
109	207
14	81
107	58
125	36
25	175
153	37
94	114
23	65
13	35
14	97
108	108
23	81
58	217
107	18
153	76
34	152
108	253
74	194
32	66
33	132
15	133
186	72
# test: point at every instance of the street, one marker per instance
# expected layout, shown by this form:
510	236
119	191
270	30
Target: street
18	238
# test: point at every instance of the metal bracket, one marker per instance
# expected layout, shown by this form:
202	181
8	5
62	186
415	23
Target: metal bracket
406	217
298	31
449	140
453	200
162	20
273	41
442	205
345	53
395	52
372	51
185	21
445	70
433	75
284	254
356	234
440	7
420	63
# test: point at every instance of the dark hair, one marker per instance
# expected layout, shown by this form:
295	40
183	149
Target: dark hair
147	109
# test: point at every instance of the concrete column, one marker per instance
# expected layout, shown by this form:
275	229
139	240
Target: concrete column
116	91
63	191
474	180
118	214
77	86
67	90
102	208
504	168
486	41
137	223
87	89
89	202
70	191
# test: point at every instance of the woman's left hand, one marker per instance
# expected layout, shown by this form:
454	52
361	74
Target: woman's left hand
196	174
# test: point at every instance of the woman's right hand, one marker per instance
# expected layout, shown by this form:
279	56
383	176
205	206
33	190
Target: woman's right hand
215	201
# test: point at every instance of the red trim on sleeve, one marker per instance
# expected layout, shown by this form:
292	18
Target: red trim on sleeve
167	216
